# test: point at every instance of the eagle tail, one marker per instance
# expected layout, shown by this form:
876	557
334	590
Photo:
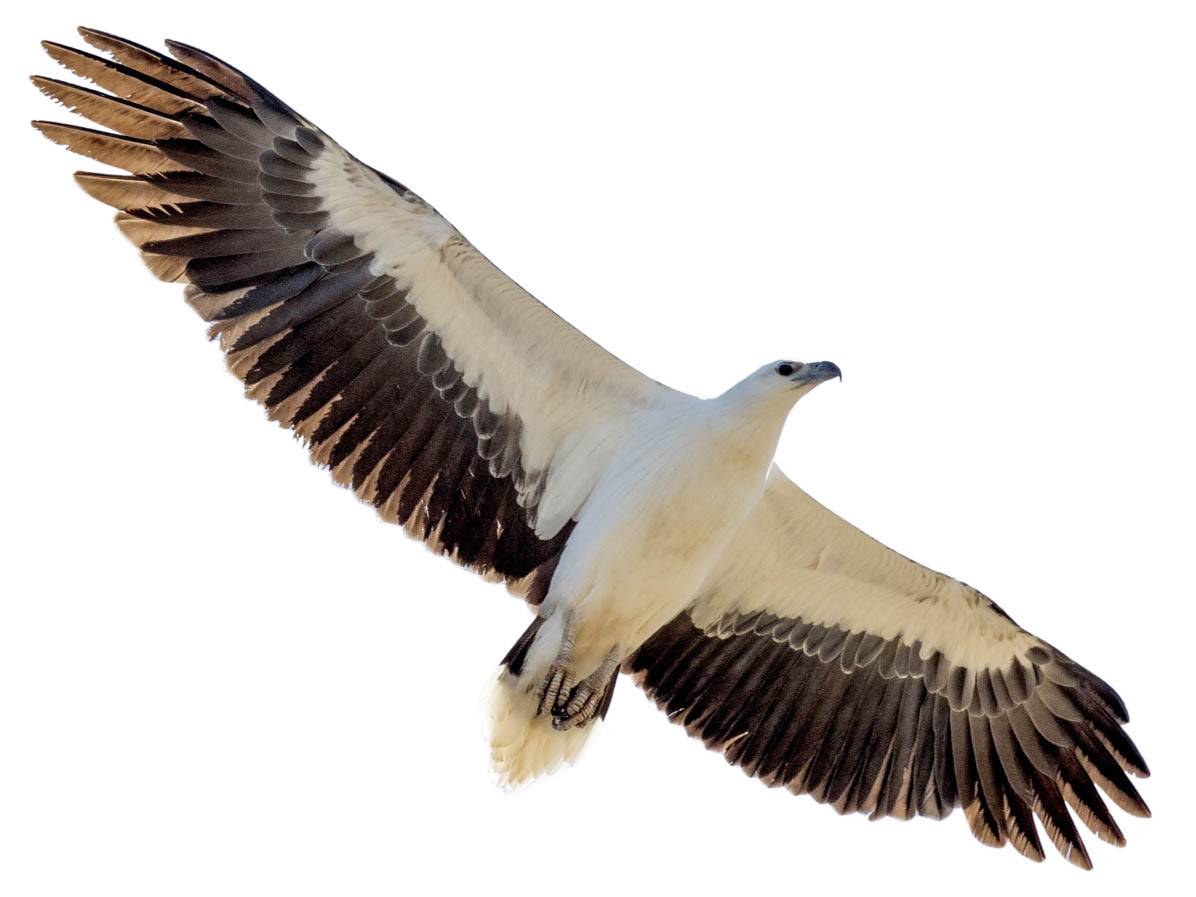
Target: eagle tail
523	743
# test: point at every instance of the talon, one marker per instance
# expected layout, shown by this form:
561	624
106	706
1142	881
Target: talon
581	696
547	693
563	692
557	686
575	718
582	704
575	705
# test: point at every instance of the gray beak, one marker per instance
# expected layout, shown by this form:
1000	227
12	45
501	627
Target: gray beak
817	372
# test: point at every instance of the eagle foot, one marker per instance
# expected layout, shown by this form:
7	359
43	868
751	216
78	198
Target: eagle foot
556	689
581	707
589	698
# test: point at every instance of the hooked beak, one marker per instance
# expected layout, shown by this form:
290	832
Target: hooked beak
816	372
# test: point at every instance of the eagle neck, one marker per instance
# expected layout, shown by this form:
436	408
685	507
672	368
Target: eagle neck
750	424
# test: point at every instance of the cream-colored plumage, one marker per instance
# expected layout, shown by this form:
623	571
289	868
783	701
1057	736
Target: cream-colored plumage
678	487
794	558
648	528
574	397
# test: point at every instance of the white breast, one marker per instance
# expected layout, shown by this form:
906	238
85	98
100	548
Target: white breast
658	520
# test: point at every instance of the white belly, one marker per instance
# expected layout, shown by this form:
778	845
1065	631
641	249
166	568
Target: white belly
648	536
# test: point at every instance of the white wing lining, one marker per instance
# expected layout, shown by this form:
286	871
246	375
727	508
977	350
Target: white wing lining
794	558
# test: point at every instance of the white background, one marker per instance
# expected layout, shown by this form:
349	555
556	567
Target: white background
219	674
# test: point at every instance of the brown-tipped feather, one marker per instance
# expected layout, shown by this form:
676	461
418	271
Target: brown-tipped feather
123	81
132	155
1106	770
166	268
123	116
1081	794
1019	823
983	824
1051	810
125	192
143	59
142	233
1113	781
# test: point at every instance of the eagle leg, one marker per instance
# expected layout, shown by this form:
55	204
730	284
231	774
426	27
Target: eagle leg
558	682
589	698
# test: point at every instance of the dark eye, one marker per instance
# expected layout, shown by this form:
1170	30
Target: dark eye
785	369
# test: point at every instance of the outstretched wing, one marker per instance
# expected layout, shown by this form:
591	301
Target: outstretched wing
821	660
428	381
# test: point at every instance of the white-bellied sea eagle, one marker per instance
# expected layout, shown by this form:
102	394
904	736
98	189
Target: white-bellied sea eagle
649	530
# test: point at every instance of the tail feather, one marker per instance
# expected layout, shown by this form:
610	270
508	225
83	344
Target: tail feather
523	745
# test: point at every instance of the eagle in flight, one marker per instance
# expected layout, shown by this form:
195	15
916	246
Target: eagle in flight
649	530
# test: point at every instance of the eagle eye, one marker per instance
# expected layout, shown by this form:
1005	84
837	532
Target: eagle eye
785	369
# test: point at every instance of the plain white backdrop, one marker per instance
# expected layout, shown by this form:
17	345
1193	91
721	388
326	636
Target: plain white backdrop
219	674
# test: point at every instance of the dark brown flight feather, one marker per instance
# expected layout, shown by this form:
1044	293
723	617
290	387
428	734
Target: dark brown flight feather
870	725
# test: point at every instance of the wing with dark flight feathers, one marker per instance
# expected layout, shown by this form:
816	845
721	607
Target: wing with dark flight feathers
427	380
819	660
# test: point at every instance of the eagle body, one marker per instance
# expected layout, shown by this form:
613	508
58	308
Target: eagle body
657	524
649	531
660	517
663	512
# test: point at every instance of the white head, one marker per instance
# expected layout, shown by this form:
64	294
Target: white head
756	407
781	383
